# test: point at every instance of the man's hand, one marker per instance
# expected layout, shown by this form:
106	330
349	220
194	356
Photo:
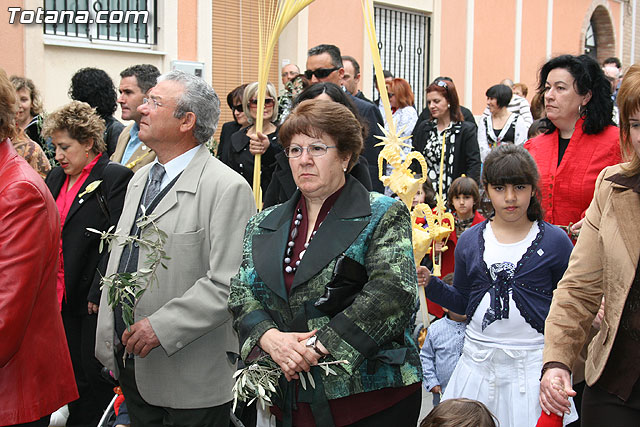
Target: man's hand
141	340
436	389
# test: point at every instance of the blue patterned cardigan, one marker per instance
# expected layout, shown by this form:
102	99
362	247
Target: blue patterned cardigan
374	332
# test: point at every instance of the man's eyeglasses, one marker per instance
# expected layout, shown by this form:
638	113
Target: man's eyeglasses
152	102
268	102
237	108
320	73
316	149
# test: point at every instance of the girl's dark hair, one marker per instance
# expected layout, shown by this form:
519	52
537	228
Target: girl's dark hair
460	412
501	93
429	193
447	89
588	76
95	87
512	164
465	186
334	92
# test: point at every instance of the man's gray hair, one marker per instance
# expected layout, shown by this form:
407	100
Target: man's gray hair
198	98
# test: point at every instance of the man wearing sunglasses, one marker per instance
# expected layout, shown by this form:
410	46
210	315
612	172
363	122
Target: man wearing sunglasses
324	64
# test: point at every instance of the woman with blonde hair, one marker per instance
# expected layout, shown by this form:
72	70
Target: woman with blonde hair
245	144
603	263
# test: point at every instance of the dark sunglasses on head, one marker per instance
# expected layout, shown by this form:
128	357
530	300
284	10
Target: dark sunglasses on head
267	102
443	84
237	108
320	73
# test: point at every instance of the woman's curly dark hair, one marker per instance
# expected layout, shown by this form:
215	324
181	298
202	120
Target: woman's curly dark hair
95	87
588	76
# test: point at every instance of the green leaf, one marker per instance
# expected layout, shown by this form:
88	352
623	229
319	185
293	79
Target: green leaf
311	380
303	383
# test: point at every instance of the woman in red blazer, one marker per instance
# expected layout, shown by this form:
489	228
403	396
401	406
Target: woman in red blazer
36	376
581	140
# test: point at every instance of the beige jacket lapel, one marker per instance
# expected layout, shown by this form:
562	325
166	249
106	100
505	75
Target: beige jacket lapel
622	199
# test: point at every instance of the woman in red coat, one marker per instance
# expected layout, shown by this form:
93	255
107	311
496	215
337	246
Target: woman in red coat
36	376
581	140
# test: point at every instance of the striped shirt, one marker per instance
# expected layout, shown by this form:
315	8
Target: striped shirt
440	353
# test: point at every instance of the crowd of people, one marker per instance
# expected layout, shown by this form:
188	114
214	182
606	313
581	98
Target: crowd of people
134	256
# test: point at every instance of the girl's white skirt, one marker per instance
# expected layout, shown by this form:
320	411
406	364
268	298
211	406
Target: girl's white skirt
506	380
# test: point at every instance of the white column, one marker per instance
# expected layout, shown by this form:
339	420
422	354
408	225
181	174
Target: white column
621	34
518	42
633	32
549	27
468	75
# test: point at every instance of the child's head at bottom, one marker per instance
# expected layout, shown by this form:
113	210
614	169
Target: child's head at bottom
510	179
459	412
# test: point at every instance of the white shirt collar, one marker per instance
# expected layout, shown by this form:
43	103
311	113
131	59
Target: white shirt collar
175	166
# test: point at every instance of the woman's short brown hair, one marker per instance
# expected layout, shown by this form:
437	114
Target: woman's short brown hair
402	91
318	117
81	122
36	99
8	108
459	412
629	104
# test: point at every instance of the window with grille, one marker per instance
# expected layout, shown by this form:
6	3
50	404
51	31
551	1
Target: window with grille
403	38
126	21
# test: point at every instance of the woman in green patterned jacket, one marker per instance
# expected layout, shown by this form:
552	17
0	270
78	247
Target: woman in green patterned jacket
327	276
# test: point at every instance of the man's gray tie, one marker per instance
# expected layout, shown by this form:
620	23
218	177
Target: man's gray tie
153	186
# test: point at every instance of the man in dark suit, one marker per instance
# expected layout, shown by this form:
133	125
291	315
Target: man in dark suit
352	77
324	64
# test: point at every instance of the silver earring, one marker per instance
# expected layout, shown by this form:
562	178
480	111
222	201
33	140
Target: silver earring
448	105
344	169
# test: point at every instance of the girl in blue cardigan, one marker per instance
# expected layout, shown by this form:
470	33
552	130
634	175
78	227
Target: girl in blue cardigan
506	270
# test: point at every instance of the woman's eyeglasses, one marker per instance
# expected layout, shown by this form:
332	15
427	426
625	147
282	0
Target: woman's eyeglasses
443	84
316	149
268	102
320	73
237	108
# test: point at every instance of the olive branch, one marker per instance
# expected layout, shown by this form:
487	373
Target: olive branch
126	289
260	379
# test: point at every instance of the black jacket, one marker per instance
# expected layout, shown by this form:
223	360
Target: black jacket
228	129
111	133
466	158
372	117
79	246
238	157
282	185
